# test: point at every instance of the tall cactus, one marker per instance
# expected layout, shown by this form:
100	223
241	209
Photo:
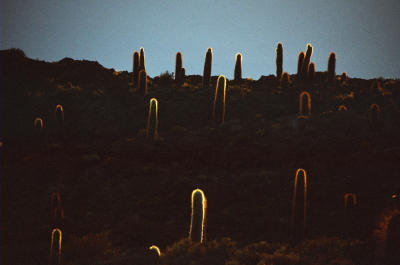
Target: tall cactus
135	70
300	64
178	67
307	59
198	218
207	69
142	61
311	72
279	60
332	66
142	82
238	67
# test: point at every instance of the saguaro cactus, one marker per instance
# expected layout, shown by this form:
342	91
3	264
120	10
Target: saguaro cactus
56	207
135	70
152	100
285	80
238	67
207	68
300	62
53	236
221	81
59	115
38	123
307	59
349	196
142	61
332	67
198	217
374	113
178	67
279	60
311	72
142	82
156	250
295	198
308	96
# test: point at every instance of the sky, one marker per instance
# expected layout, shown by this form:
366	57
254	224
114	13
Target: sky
364	34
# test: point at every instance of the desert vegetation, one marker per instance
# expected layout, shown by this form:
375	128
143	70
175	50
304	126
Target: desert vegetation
226	172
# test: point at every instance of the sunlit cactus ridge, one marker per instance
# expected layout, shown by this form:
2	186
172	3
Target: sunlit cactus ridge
198	217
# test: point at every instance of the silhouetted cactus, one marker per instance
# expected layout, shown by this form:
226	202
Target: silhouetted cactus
311	72
59	115
332	67
307	59
238	67
135	70
207	69
38	123
343	77
142	82
198	217
285	80
279	60
178	67
300	62
142	61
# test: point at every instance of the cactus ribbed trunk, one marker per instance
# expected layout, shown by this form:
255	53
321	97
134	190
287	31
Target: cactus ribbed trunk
279	60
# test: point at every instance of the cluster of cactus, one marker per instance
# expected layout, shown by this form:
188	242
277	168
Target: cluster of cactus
139	75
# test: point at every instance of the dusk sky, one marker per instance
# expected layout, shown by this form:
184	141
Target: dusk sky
365	34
